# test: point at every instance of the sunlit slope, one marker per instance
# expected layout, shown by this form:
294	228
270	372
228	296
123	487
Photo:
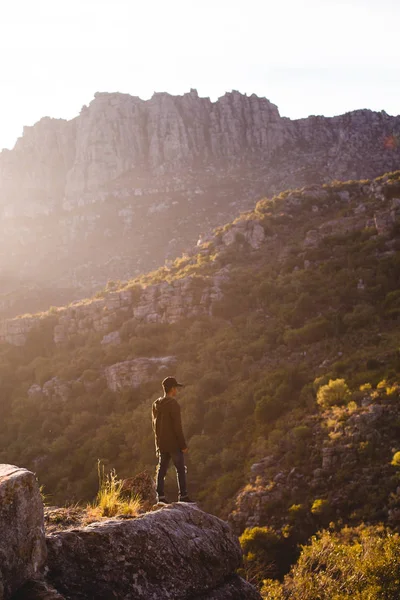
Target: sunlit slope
305	285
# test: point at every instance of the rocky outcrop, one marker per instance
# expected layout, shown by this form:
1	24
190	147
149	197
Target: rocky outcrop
132	373
158	303
33	175
127	374
14	331
129	183
22	539
119	133
178	552
54	388
249	229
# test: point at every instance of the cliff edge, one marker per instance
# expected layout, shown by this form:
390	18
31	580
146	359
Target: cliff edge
178	552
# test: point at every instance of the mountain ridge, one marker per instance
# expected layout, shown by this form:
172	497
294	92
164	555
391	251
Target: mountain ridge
195	280
131	183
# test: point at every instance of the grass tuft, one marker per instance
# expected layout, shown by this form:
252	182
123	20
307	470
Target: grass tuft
110	501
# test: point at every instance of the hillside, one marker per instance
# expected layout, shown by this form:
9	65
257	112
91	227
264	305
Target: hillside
129	183
302	290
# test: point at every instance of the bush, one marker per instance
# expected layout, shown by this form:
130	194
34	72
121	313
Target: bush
313	331
266	553
268	409
272	590
396	459
320	507
354	563
362	314
297	513
336	392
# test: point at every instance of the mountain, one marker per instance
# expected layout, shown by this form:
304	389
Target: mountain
305	286
130	183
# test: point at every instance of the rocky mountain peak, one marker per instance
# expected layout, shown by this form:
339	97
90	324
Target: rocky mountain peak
130	183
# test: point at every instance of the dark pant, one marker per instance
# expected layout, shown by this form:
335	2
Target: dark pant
178	459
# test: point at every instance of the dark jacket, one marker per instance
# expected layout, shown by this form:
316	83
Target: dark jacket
167	425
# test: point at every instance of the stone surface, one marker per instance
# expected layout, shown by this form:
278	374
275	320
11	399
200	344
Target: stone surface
14	331
22	540
132	373
234	589
178	552
112	338
142	486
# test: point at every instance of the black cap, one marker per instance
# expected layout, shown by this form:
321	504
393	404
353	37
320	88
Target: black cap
169	383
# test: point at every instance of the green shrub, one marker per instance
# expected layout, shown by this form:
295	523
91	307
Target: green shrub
362	314
272	590
297	513
320	506
361	563
268	409
267	553
313	331
396	459
336	392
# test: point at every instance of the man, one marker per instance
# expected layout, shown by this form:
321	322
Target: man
169	438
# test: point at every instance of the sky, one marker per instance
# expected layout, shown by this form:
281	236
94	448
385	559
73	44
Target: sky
308	57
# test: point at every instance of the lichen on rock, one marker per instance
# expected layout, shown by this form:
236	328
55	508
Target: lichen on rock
178	552
22	539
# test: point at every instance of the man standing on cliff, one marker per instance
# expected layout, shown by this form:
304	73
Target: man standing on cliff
169	438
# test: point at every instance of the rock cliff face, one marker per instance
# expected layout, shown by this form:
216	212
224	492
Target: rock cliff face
131	373
129	183
119	133
157	303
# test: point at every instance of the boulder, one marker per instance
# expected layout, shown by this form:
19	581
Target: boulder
22	539
178	552
255	236
143	486
132	373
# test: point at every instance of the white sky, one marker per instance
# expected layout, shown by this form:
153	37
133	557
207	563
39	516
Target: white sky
306	56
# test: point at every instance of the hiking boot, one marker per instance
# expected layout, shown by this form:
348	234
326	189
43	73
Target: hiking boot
186	499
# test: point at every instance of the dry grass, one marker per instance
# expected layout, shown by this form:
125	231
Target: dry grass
110	500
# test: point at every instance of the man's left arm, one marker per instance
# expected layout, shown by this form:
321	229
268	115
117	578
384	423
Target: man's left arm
177	425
